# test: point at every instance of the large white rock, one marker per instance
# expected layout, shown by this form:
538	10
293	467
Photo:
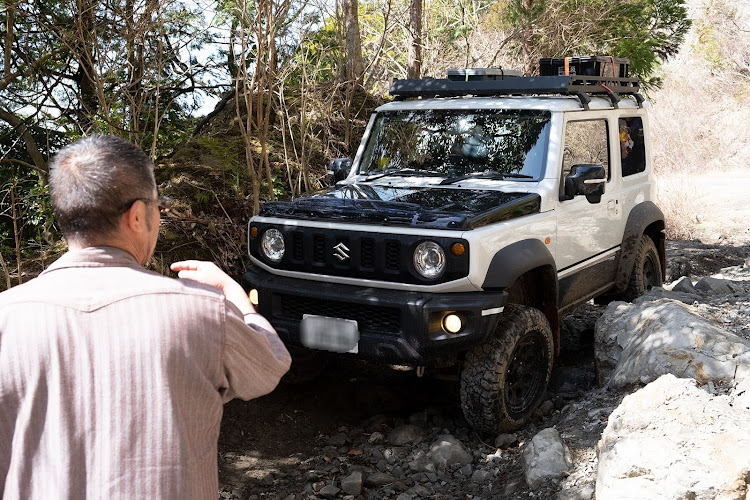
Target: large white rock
546	457
673	440
637	343
741	392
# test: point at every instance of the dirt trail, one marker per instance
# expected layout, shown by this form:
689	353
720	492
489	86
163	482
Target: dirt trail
716	204
273	447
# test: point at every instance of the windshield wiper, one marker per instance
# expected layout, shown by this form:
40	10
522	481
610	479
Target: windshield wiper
404	172
487	174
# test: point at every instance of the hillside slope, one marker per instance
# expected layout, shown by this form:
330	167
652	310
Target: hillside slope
208	179
699	126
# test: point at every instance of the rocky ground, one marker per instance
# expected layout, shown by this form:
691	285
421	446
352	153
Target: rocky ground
361	432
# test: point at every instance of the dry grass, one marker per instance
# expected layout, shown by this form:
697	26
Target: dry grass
699	120
700	115
677	197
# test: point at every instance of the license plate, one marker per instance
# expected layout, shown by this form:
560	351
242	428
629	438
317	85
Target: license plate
329	334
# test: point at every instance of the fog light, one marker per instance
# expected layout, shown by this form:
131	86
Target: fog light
452	323
253	296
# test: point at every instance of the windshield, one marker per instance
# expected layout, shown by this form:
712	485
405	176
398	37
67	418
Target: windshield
458	143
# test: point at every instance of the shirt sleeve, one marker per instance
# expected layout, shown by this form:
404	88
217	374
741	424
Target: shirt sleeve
254	358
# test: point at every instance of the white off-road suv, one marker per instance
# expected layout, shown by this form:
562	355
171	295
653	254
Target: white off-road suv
475	214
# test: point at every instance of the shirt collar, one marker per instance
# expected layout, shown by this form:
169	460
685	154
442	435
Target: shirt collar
101	256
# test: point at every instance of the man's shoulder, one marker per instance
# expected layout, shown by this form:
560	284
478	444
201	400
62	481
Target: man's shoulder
141	281
91	288
184	286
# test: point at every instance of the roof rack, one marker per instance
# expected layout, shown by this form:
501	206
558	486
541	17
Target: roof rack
578	85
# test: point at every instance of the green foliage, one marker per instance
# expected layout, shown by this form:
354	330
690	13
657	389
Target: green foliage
32	211
319	56
35	220
226	154
723	44
279	185
644	31
121	68
709	46
647	32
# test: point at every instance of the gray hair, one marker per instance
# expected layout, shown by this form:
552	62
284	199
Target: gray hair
91	182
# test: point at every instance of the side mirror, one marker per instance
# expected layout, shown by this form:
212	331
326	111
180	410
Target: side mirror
339	169
588	180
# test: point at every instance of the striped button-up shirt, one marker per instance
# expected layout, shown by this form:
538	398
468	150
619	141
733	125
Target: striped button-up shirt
113	379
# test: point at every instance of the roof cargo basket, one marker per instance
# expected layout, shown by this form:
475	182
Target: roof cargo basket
580	86
477	74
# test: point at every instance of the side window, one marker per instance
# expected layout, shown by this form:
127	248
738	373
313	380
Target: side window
632	147
586	143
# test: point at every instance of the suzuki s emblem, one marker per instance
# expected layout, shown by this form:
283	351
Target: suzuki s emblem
341	252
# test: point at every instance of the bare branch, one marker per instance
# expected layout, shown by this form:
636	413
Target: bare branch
31	147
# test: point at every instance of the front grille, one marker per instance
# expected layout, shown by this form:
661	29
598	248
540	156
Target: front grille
319	249
368	253
361	255
345	254
392	254
372	318
298	246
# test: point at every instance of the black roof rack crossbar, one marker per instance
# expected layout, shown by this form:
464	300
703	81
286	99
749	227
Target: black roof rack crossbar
577	85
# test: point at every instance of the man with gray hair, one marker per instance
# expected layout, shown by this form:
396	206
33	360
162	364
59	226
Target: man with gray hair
112	377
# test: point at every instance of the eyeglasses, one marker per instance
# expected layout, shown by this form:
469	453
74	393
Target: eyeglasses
163	202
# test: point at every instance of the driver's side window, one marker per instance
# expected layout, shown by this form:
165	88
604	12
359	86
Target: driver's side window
586	143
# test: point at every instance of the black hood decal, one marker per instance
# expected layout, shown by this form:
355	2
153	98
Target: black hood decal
423	207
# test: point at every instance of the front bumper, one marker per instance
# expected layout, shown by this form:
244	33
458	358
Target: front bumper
395	326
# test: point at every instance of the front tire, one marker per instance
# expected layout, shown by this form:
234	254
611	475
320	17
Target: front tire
504	380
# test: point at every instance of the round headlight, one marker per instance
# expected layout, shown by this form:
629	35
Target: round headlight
272	245
429	259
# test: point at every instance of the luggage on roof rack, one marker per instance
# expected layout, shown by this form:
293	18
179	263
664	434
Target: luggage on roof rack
578	85
585	66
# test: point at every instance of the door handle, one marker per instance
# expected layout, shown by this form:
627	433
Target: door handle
612	207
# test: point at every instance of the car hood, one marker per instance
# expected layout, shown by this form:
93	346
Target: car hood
424	207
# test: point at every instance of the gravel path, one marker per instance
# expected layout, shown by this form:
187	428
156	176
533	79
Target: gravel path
363	432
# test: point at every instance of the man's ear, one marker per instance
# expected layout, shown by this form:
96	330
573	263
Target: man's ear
136	218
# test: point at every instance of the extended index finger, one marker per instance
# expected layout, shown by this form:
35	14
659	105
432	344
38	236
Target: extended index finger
185	265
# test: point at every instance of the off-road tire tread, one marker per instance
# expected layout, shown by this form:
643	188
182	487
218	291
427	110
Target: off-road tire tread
485	366
636	285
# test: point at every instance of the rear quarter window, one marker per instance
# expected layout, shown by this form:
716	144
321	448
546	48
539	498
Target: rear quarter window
632	145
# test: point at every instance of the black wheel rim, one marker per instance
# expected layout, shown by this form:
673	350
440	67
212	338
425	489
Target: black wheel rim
651	273
526	374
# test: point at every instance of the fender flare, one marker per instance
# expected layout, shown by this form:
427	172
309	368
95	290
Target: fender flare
518	258
645	218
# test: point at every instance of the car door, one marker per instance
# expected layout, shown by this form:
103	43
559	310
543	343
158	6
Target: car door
589	232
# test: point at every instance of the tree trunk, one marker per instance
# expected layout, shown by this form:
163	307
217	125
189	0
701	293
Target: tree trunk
9	19
527	40
414	63
134	69
6	271
16	231
354	65
31	147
